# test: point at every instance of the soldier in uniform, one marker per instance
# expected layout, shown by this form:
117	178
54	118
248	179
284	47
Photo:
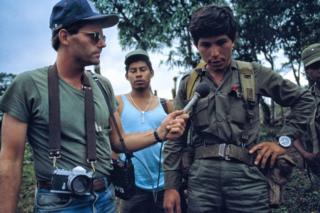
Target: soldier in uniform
311	61
225	174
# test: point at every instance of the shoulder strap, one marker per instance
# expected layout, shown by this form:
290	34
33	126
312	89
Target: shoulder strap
248	89
106	95
163	102
247	81
194	76
120	103
55	120
54	113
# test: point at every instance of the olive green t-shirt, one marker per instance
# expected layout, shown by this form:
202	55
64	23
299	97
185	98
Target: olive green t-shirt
27	100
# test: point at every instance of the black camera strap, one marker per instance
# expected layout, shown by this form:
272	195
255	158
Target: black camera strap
55	120
106	97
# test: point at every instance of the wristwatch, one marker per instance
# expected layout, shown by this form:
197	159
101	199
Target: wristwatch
285	141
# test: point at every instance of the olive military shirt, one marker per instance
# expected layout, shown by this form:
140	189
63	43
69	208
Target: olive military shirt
27	100
221	116
315	120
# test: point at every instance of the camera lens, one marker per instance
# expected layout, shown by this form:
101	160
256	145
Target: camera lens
80	184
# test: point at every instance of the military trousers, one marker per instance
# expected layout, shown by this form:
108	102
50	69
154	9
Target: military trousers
216	185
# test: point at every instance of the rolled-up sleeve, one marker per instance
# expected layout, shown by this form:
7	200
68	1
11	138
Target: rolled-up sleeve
287	94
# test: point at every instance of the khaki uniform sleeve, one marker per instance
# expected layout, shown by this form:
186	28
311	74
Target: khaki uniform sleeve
173	149
286	94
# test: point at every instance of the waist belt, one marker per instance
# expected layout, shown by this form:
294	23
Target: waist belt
98	185
225	152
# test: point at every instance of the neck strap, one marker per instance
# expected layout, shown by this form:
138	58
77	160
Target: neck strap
55	121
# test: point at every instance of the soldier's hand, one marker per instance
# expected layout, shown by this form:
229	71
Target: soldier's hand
312	157
267	151
171	201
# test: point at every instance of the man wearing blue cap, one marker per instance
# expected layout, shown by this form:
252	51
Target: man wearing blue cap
63	113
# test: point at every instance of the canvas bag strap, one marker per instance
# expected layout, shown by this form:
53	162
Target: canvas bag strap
55	120
106	97
197	72
247	84
163	103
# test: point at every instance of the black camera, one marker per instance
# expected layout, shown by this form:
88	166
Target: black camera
77	181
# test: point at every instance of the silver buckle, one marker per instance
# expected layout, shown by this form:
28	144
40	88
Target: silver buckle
224	150
92	164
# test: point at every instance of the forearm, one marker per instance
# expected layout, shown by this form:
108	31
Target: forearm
299	147
10	180
138	141
11	158
133	141
171	128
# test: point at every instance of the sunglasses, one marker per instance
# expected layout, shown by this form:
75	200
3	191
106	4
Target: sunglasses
95	36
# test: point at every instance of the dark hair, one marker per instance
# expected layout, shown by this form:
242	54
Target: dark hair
72	29
136	58
212	20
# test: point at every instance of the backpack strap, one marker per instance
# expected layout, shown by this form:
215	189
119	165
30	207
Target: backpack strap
194	76
248	89
120	104
247	81
163	102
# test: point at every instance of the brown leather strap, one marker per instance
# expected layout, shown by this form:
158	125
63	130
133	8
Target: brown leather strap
89	120
225	152
54	112
55	120
107	99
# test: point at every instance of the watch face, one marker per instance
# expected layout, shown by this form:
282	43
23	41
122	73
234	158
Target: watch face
285	141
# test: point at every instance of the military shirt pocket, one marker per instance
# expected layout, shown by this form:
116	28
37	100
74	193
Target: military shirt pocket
200	115
237	111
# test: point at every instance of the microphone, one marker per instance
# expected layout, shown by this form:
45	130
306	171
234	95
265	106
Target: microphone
201	91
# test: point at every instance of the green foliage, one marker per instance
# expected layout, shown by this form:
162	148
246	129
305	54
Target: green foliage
26	196
268	26
265	28
5	81
156	24
257	29
301	195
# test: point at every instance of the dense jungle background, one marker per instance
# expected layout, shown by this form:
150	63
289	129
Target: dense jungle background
268	29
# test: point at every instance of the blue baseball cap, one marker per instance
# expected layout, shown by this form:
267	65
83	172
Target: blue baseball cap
68	12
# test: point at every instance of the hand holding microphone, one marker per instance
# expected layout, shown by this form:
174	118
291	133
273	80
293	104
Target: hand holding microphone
175	122
201	91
